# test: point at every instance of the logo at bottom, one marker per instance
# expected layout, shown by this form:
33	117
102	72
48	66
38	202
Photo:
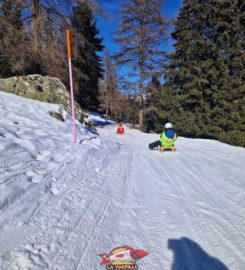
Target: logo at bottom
123	258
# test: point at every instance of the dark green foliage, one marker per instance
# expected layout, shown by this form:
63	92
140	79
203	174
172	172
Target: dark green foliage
87	61
151	122
151	117
204	95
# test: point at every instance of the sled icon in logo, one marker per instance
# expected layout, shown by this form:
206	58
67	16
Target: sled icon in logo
123	258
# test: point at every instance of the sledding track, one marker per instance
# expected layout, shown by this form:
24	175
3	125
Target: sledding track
186	208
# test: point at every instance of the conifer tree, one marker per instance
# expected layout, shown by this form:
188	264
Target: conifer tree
207	70
141	33
87	61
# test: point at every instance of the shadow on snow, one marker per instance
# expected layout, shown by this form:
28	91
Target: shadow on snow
99	123
188	255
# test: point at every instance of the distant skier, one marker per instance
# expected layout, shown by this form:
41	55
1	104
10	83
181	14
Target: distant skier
120	129
167	138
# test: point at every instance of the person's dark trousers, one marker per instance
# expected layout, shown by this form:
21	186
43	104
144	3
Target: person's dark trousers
154	144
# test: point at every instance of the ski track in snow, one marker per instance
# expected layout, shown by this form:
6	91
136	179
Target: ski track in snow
63	204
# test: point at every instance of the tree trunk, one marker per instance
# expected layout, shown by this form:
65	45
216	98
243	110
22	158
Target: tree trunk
141	111
111	108
141	120
36	27
106	113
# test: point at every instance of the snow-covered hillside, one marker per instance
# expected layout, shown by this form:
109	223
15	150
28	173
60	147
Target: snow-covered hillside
63	204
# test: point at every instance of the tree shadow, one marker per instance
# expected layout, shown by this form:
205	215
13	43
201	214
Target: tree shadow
99	123
188	255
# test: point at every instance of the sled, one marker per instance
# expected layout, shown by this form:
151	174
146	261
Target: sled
167	149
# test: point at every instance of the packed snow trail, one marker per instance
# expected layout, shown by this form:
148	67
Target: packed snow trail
63	204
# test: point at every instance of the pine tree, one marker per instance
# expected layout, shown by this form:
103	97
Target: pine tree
87	61
207	70
141	33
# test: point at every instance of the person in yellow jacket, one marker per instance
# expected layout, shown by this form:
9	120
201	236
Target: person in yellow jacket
167	139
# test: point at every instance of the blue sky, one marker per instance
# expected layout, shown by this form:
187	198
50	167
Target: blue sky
169	11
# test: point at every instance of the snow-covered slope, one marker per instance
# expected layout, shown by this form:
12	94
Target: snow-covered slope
62	204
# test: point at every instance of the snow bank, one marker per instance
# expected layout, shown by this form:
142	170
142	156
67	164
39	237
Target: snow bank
62	204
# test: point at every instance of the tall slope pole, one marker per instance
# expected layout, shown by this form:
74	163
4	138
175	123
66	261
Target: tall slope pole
71	83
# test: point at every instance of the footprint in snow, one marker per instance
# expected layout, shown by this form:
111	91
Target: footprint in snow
32	257
34	177
98	170
53	189
54	179
43	154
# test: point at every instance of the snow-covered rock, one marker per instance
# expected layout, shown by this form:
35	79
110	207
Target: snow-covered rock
42	88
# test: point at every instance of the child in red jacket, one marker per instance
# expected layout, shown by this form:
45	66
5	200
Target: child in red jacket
120	129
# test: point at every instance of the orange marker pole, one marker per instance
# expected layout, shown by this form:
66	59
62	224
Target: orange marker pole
68	40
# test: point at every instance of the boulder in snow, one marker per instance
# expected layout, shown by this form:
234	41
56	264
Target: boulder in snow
43	88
